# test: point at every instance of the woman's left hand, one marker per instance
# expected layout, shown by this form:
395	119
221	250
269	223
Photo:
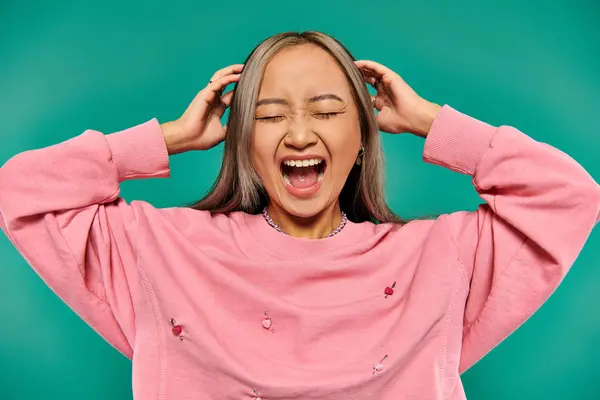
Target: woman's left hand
400	108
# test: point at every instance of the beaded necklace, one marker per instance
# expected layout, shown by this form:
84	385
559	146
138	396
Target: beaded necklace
278	229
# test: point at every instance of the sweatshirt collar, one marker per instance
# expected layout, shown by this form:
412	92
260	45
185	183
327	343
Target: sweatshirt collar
285	246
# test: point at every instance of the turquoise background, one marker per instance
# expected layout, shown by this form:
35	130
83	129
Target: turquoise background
68	66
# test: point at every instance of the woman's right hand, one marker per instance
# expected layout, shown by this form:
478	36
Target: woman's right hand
200	128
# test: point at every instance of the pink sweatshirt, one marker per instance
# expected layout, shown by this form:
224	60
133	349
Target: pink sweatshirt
294	318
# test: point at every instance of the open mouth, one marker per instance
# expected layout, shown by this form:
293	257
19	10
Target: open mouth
303	174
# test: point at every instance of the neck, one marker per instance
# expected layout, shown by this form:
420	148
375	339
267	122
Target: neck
316	227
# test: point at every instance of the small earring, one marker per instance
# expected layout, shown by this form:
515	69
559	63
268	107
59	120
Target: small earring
360	154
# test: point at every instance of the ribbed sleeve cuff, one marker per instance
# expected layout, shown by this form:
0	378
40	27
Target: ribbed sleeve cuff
140	151
457	141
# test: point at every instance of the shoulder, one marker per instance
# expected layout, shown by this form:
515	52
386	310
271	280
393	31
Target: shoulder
412	225
447	226
391	236
187	218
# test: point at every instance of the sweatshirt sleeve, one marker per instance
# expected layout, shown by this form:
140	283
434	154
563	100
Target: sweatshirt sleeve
60	207
540	208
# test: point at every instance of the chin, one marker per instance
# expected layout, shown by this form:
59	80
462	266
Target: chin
305	207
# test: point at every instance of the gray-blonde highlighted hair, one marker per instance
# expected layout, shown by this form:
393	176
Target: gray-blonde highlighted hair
238	186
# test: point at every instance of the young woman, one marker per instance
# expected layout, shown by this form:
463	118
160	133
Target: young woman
292	279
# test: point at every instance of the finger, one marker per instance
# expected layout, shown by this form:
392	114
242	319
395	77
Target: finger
372	79
368	73
232	69
211	94
366	77
371	76
224	103
374	82
217	86
373	67
226	98
377	102
220	110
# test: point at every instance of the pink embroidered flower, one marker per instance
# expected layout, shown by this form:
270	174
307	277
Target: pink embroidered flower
176	329
267	323
379	366
389	290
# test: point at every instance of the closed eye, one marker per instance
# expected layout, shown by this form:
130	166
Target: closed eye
326	115
272	119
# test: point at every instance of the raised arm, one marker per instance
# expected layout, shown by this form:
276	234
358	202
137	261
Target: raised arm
540	207
60	207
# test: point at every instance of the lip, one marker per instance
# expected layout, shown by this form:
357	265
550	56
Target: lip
303	192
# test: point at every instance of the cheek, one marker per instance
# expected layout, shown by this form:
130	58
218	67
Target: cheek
344	143
263	152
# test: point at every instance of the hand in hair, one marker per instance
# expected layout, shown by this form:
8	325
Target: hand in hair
400	108
200	128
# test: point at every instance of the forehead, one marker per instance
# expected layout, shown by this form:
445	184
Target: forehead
304	68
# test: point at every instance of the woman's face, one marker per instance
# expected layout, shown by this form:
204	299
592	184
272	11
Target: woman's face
306	134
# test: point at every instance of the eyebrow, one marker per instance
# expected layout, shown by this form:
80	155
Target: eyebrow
327	96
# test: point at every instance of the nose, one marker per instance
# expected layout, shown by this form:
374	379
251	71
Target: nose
299	135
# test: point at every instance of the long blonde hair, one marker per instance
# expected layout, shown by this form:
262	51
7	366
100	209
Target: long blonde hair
239	188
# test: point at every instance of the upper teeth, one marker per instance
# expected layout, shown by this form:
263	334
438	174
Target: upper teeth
302	163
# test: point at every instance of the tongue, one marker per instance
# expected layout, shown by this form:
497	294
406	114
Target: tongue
303	177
